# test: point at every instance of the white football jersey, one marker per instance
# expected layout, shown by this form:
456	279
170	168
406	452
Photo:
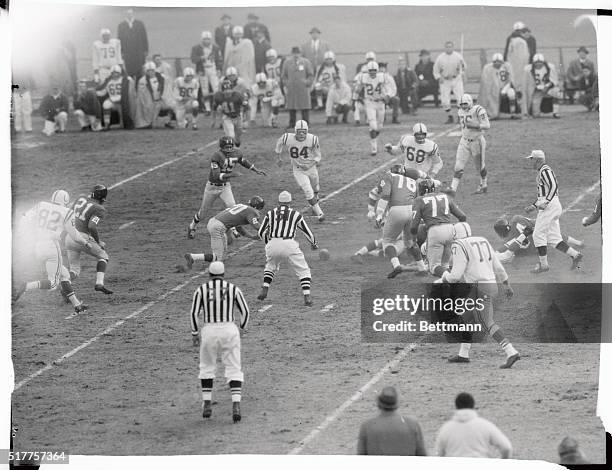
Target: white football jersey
420	156
475	113
475	260
274	70
105	55
375	88
305	154
50	219
184	91
269	90
113	88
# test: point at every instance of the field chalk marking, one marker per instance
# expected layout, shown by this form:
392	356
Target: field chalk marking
179	287
126	225
327	308
264	308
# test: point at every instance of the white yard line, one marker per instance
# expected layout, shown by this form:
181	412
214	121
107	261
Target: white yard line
327	308
264	308
179	287
580	197
126	225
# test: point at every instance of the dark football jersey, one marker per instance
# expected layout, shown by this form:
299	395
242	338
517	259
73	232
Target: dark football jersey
231	105
87	210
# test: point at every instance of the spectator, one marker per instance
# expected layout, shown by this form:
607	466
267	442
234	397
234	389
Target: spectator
87	108
239	53
261	46
315	49
576	78
469	435
22	102
517	50
208	61
570	454
106	54
390	433
406	82
223	32
448	69
324	77
253	25
154	98
134	43
338	101
163	67
427	84
393	102
54	109
297	77
590	98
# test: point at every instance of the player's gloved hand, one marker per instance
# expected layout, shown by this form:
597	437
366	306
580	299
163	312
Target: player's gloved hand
371	215
388	147
530	208
541	205
195	340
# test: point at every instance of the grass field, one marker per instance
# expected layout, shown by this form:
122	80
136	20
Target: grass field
128	384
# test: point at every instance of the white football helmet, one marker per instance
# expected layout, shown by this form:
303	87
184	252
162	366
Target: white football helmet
301	130
497	57
272	54
329	55
370	56
105	32
60	197
538	58
373	68
188	71
206	35
231	71
419	130
461	230
261	78
149	66
116	69
466	101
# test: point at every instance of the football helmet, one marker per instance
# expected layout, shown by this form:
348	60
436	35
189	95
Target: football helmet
60	197
502	227
497	57
149	66
466	101
226	143
188	71
272	54
231	71
206	35
116	69
461	230
370	56
226	85
257	202
538	58
329	55
261	78
419	130
397	169
301	130
99	193
426	186
372	68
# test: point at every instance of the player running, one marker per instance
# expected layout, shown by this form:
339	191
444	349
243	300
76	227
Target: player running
305	153
435	207
377	90
53	224
516	232
230	103
232	217
473	120
418	151
475	262
88	213
218	185
186	96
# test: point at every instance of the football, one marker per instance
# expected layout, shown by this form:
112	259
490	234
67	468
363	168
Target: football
324	254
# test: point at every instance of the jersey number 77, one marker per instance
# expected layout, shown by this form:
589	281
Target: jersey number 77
434	200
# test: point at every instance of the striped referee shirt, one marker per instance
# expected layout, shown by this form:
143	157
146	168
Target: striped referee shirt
282	222
217	299
547	183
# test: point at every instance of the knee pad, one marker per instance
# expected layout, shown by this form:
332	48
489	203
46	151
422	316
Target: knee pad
483	173
458	173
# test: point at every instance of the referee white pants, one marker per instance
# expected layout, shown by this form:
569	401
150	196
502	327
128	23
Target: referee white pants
222	338
547	230
279	250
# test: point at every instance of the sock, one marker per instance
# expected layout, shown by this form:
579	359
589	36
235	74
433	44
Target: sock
69	293
207	105
100	278
573	241
363	250
573	253
317	209
207	386
268	277
464	350
543	261
455	184
395	262
374	145
236	390
194	222
100	270
483	181
305	283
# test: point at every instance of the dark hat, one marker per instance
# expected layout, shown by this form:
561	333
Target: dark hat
583	49
423	52
296	50
568	445
387	400
252	16
315	30
382	64
226	17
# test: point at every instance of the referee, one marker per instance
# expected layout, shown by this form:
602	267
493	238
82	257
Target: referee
547	230
217	299
277	230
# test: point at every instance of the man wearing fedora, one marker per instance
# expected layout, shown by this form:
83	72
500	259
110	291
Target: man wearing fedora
390	433
297	76
580	74
253	25
223	32
315	49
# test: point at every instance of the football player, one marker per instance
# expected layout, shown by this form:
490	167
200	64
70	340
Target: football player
112	89
218	185
540	88
230	103
475	262
377	91
418	151
324	78
186	96
106	54
53	223
88	213
218	226
516	232
497	89
305	153
273	65
473	119
267	94
361	70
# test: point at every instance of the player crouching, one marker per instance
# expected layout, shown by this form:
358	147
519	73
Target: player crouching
541	92
186	96
266	94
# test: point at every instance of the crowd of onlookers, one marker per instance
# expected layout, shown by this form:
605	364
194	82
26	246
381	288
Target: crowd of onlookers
465	434
131	88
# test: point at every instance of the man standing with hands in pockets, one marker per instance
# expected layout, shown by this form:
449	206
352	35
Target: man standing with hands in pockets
448	70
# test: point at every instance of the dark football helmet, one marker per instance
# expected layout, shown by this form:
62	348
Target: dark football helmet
398	169
226	143
502	227
257	202
426	186
226	85
99	193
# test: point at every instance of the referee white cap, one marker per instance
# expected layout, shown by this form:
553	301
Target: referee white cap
216	268
537	154
284	197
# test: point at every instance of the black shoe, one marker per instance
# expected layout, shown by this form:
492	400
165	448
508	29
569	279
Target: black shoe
459	359
80	308
206	409
102	288
395	272
189	260
307	300
263	294
510	361
191	233
236	416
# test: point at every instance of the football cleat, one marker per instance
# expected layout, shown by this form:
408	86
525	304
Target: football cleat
189	260
458	359
263	294
576	261
191	233
395	272
80	308
236	416
206	409
510	361
481	189
102	288
540	269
